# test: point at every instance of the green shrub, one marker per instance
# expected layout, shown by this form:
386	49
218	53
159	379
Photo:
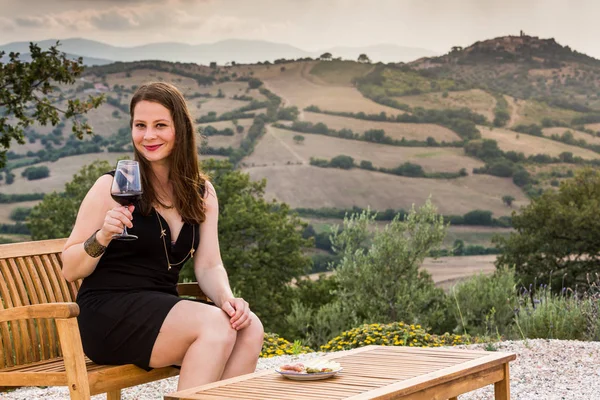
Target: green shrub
484	305
273	345
20	214
33	173
564	316
393	334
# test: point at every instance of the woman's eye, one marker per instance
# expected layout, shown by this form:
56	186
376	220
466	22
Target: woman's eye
161	125
139	125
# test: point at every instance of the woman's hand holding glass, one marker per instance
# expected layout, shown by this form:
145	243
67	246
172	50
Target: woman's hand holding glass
115	220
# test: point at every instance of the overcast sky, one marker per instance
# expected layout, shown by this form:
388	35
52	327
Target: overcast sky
309	24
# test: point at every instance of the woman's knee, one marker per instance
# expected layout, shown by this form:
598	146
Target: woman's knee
253	334
217	328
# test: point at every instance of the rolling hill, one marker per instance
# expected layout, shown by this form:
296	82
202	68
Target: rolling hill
468	129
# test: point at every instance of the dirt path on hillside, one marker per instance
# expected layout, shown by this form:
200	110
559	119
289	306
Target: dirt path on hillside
514	108
284	144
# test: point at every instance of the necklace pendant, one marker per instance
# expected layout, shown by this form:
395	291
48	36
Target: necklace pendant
163	233
169	267
192	251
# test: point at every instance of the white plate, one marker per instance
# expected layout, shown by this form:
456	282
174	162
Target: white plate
297	376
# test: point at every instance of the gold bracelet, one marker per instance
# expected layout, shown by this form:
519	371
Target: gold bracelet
93	247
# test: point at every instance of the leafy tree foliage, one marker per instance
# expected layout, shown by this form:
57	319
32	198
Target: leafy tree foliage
261	243
33	173
55	216
25	94
363	58
508	200
378	276
557	238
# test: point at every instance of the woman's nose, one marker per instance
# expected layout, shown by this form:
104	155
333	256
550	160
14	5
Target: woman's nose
149	134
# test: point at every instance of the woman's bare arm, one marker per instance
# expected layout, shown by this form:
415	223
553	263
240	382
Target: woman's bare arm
97	211
208	265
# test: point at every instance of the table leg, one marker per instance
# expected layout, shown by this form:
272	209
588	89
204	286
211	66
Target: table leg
502	388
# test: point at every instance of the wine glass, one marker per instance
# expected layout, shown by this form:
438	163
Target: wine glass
126	189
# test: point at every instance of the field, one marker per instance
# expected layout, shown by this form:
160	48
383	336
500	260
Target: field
532	112
61	172
594	127
559	130
297	89
6	209
226	141
339	73
394	130
141	76
204	106
447	271
284	150
313	187
530	145
471	235
475	99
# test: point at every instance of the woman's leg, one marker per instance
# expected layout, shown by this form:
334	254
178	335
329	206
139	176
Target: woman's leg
198	337
247	348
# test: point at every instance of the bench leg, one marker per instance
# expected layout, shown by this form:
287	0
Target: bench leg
114	395
502	388
72	350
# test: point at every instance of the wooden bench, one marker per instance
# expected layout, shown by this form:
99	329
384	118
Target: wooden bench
39	336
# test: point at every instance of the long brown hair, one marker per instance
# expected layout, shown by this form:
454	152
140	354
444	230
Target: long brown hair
189	183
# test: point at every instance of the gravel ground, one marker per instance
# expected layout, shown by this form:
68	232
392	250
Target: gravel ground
544	369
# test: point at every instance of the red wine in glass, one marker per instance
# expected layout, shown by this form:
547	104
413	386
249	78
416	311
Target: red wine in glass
126	199
126	189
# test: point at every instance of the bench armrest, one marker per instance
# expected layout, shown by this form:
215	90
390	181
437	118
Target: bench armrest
48	310
191	289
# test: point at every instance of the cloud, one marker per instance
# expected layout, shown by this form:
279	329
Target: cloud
115	20
6	24
32	22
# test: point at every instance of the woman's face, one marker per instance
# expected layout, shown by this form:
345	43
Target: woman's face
153	131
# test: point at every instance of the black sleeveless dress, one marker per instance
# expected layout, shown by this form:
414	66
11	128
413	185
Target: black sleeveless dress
125	301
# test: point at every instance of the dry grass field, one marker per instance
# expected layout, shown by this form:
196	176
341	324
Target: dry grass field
475	99
339	73
558	130
529	145
61	172
471	235
394	130
219	106
532	112
298	89
442	159
594	127
314	187
6	209
448	271
226	141
140	76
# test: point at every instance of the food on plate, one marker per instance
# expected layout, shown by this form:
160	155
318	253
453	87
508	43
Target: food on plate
299	367
311	367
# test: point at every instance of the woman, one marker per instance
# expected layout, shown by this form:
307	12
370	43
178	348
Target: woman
130	311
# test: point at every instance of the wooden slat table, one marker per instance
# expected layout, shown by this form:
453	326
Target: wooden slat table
375	372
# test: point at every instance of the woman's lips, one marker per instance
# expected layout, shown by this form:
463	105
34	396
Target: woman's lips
152	148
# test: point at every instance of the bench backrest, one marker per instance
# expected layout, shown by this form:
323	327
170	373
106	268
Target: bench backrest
30	273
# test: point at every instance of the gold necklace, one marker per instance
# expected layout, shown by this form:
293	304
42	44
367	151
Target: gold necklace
163	233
